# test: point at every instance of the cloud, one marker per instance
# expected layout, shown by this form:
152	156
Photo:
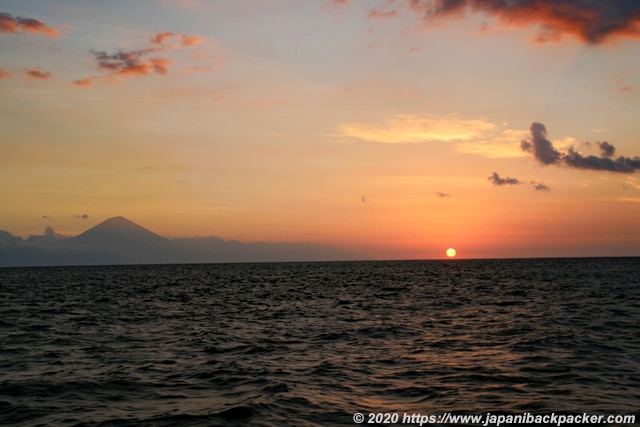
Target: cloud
545	153
494	144
412	128
496	180
630	199
471	136
440	194
631	184
11	24
606	149
540	146
190	40
383	12
161	37
130	63
83	216
179	39
4	74
84	82
140	62
39	75
592	22
538	186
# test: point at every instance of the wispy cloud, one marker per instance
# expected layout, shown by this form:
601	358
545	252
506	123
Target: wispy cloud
38	74
592	22
84	82
383	12
472	136
441	194
497	144
16	24
161	37
4	74
176	39
413	128
630	199
83	216
190	40
631	183
545	153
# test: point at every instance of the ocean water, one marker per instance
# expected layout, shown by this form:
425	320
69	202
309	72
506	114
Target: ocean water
312	344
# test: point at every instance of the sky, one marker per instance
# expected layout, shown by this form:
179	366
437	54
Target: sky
393	128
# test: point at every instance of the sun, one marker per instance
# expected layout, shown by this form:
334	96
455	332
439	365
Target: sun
451	252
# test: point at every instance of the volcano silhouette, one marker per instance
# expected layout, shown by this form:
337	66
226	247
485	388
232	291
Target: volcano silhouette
120	236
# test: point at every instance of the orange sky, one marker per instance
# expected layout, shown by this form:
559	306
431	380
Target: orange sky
392	128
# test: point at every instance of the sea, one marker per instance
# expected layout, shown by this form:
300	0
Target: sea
322	343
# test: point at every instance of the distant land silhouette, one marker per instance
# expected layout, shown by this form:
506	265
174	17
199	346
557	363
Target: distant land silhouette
121	241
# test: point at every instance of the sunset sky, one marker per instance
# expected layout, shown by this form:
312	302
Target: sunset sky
395	129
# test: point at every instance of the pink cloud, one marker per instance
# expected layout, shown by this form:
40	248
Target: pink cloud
84	82
141	62
4	74
161	65
39	75
181	39
11	24
161	37
190	40
131	63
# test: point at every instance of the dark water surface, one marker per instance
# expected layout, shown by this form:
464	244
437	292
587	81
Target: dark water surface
310	344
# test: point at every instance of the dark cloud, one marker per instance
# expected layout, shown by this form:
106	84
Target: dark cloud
538	186
16	24
440	194
131	63
38	74
543	151
592	21
496	180
606	149
540	146
83	216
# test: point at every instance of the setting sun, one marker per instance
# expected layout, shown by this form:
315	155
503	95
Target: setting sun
451	252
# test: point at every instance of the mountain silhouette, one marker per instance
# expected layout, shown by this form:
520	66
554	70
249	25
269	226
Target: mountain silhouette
123	237
118	240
